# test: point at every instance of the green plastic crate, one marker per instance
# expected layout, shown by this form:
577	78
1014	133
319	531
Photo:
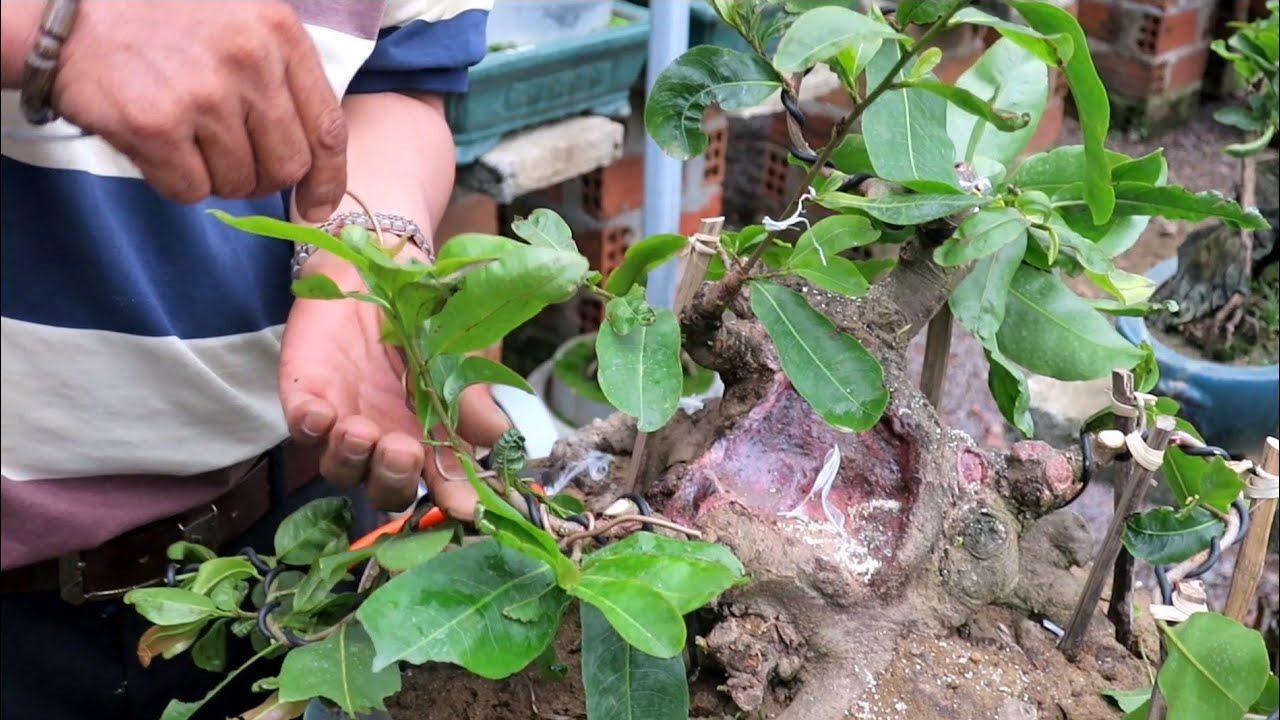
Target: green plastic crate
523	87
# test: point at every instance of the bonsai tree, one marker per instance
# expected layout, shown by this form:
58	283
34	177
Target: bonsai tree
817	525
1226	278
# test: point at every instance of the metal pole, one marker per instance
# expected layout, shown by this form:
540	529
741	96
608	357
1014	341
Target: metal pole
668	39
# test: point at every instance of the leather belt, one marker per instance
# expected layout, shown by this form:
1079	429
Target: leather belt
138	558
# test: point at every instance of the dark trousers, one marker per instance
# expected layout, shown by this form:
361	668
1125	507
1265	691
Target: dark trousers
67	662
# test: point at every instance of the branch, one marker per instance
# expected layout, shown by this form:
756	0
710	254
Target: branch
719	295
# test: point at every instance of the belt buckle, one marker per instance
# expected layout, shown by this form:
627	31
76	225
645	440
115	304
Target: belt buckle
201	529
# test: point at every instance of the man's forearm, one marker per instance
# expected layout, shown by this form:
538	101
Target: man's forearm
19	25
400	156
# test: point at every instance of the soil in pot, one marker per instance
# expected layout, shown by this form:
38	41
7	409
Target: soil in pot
1257	339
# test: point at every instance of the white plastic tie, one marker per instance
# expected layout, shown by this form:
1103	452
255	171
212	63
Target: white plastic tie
1262	485
705	244
595	464
1142	453
1188	599
822	488
796	218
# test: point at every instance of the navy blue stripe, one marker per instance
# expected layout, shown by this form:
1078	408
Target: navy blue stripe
424	56
83	251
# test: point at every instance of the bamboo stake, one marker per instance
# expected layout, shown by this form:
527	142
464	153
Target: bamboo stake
701	251
937	351
1120	606
1253	551
1135	489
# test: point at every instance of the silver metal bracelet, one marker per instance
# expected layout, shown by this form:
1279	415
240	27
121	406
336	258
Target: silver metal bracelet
397	225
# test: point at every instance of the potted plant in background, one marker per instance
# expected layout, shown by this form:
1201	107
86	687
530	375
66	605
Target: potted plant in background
1218	343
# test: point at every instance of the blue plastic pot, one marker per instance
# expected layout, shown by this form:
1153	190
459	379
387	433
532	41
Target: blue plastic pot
1234	407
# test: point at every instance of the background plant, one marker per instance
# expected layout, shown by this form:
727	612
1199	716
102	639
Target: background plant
915	160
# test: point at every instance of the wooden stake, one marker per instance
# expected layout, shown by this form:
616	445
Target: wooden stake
1120	607
1253	551
937	351
1136	483
695	271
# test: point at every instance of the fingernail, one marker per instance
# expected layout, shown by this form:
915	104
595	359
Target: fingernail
318	212
315	422
356	448
398	465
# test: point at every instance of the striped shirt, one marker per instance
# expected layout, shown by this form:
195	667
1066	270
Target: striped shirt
140	337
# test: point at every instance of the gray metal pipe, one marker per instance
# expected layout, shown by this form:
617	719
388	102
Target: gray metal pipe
663	181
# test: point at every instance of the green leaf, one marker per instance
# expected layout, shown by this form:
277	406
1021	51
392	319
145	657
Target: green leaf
830	236
496	517
210	652
1189	477
1052	331
1268	699
640	614
1147	372
1128	700
1178	203
904	208
640	372
219	570
821	33
413	549
1006	121
544	227
906	131
1215	670
979	301
304	535
471	246
703	76
641	258
339	668
851	157
688	574
622	683
1129	288
1006	77
980	235
871	270
1090	98
624	313
293	232
229	595
831	370
167	641
476	370
317	287
921	12
839	275
274	709
498	297
1164	536
1008	386
183	551
326	572
171	606
449	609
924	64
1049	49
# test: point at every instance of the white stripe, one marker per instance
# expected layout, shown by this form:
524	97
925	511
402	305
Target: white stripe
402	12
88	402
341	54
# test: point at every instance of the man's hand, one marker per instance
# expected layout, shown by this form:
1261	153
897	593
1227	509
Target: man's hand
224	98
341	386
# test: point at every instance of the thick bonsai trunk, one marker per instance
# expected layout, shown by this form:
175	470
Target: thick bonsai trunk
923	535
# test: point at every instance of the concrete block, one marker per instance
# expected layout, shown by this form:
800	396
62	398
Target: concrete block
544	156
